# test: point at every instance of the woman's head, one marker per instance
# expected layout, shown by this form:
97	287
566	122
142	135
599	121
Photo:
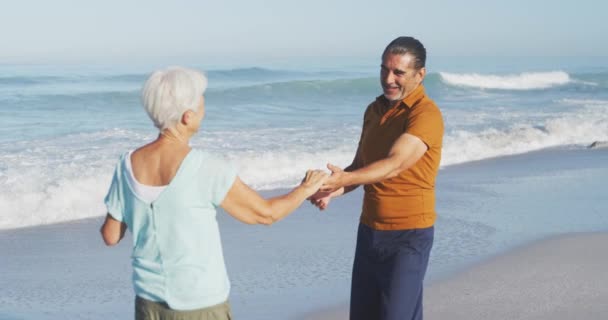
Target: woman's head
168	94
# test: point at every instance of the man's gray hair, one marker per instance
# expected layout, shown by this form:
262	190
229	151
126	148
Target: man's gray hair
167	94
407	45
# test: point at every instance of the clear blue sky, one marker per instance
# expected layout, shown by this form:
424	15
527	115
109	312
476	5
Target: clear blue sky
123	30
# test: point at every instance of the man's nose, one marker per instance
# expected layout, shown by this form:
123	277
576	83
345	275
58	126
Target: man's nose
389	77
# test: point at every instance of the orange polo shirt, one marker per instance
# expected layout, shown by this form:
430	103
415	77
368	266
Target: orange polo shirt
406	201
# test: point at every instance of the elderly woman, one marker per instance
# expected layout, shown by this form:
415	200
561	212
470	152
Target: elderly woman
166	194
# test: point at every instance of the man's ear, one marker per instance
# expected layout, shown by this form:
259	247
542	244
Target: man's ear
421	73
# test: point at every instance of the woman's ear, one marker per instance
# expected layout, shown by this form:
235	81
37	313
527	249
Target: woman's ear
187	117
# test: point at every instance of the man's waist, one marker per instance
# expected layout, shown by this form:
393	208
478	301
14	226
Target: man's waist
414	210
386	195
398	222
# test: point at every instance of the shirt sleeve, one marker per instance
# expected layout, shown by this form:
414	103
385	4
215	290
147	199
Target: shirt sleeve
222	174
427	125
113	199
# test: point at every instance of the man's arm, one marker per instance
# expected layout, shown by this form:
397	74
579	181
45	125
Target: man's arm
355	165
404	153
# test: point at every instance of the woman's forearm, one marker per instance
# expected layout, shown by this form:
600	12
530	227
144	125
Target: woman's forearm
246	205
281	206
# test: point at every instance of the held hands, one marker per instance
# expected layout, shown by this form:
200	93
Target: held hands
332	187
336	180
313	180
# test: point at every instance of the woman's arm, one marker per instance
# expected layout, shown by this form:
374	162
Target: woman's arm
246	205
112	230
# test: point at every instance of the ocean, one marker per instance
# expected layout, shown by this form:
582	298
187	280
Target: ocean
62	128
516	168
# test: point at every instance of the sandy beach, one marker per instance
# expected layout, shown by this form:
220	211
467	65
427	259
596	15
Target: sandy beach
560	278
518	237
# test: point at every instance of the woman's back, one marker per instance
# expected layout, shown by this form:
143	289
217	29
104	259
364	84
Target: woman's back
167	194
177	254
156	163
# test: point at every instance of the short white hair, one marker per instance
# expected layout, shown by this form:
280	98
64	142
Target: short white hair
167	94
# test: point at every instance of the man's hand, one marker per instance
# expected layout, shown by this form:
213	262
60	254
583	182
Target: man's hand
336	181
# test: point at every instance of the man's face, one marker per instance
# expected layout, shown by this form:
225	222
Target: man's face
398	76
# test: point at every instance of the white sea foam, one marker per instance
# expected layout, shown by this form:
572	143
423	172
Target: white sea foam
34	202
55	180
522	81
50	181
271	170
577	128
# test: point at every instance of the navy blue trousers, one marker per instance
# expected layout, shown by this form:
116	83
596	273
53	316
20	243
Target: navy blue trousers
388	273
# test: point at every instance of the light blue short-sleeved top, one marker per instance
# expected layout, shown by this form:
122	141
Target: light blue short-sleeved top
177	252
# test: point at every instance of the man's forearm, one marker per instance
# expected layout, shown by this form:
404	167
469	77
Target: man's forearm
350	188
375	172
353	166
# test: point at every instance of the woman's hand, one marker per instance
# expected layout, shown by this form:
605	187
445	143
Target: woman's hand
321	199
313	180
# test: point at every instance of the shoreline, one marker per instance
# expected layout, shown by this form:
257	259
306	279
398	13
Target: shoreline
534	155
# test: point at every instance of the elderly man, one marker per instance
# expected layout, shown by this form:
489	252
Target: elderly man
397	161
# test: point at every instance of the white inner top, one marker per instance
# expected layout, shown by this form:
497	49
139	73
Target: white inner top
144	192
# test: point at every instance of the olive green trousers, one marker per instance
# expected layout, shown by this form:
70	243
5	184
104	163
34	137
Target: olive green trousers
150	310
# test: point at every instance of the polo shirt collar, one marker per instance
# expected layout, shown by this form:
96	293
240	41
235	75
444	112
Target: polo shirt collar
414	96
